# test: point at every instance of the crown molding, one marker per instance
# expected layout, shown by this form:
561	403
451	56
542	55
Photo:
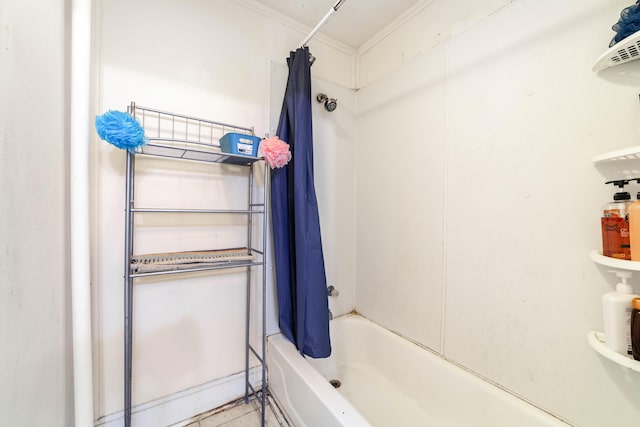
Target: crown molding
393	26
281	18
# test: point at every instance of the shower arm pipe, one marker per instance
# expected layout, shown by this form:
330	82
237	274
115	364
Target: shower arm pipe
313	32
79	211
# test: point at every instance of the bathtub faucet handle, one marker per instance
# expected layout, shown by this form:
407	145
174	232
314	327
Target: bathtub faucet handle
332	291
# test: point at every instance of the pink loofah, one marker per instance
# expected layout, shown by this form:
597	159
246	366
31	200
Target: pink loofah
275	151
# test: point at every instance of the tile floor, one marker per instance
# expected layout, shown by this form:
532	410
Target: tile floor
240	414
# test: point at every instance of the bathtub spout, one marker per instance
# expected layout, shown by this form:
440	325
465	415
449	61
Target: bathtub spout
332	291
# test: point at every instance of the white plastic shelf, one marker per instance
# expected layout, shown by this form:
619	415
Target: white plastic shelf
597	341
619	164
598	258
629	153
622	52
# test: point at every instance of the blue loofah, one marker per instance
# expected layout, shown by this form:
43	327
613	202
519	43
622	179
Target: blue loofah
628	24
120	129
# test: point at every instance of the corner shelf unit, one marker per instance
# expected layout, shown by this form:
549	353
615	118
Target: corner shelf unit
597	342
626	163
597	339
182	137
621	264
627	49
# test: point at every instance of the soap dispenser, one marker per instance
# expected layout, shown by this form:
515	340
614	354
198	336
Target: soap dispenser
616	311
615	224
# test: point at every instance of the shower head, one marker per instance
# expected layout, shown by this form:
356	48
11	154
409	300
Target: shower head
330	104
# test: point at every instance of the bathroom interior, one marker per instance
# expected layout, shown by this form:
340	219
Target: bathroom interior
458	197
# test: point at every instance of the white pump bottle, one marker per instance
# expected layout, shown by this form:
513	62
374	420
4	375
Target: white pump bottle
616	311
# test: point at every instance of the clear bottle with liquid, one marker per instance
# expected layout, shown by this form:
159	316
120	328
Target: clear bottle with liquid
615	224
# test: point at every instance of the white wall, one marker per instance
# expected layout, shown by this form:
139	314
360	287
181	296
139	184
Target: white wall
35	316
334	138
212	60
477	202
424	26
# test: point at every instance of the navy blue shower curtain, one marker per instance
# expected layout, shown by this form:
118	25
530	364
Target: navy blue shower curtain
299	261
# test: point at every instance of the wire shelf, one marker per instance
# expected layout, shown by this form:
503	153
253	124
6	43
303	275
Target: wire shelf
185	137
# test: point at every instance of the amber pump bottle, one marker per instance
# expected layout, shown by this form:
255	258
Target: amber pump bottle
615	224
635	328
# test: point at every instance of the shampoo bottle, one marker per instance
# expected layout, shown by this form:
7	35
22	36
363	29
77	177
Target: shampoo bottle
616	311
615	224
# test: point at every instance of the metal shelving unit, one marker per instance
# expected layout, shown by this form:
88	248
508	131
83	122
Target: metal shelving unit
189	138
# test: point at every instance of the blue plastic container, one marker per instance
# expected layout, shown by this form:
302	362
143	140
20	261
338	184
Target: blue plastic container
240	144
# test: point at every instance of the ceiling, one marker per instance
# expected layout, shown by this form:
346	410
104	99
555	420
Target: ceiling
355	22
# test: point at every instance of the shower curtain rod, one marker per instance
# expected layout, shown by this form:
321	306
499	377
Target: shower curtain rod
313	32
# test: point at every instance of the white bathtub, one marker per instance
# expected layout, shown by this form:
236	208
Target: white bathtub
387	381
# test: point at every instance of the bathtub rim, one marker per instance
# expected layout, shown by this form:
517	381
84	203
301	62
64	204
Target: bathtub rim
330	399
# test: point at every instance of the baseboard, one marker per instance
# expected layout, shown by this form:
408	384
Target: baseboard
185	404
